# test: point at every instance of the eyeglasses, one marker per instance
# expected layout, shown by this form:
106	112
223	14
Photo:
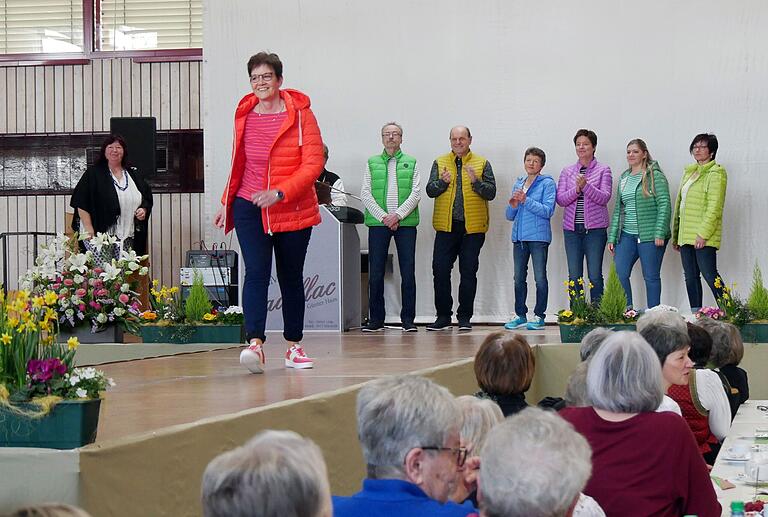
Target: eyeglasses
460	452
764	409
392	133
703	147
255	78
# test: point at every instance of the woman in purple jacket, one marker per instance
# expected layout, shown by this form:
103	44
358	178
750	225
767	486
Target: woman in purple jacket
584	190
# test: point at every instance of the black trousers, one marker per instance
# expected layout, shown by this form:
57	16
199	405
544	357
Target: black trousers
448	247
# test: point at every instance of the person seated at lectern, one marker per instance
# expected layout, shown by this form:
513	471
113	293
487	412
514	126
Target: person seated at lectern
504	368
270	201
391	195
275	474
409	428
112	197
329	187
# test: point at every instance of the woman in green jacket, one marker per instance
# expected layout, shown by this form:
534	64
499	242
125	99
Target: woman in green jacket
640	224
697	223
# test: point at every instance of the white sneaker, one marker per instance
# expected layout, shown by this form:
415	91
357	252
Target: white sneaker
296	358
253	359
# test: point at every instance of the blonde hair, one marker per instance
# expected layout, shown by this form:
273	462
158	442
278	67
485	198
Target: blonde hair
648	163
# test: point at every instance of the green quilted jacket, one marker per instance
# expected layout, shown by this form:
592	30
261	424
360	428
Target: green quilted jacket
703	211
653	212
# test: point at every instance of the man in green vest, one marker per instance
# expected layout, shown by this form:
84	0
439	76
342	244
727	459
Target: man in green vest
462	183
391	196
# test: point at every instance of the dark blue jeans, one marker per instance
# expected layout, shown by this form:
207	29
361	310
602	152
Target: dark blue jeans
538	251
590	244
449	246
379	238
698	263
628	250
290	250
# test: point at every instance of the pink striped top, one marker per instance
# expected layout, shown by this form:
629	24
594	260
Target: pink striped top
259	135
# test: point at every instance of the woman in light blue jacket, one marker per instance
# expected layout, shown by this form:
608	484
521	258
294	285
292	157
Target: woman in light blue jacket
530	209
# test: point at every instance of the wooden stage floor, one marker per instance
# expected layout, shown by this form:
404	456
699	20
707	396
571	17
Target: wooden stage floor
165	391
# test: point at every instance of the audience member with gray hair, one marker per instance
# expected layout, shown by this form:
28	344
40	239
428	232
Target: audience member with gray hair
699	393
737	377
576	391
49	510
592	340
275	474
534	464
408	428
643	462
480	416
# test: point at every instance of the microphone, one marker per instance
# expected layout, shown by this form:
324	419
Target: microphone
318	182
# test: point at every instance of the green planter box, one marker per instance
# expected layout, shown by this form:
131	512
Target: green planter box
70	424
574	333
184	334
754	333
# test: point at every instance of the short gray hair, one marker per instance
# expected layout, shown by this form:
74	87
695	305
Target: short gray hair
576	391
49	510
721	341
275	474
665	331
534	464
624	375
398	413
480	415
393	123
593	339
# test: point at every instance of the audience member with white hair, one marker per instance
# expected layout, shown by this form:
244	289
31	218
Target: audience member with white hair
643	462
534	464
408	428
275	474
480	416
698	393
576	390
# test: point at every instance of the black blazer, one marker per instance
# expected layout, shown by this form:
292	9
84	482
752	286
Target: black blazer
95	193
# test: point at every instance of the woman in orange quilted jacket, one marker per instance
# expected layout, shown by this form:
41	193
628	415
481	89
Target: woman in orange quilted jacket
271	203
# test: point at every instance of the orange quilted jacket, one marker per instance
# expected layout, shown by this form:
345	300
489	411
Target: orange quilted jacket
295	162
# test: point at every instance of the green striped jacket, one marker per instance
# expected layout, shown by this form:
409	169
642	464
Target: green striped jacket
653	212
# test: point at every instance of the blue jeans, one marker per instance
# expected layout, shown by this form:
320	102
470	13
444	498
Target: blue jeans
590	244
290	251
628	250
449	246
379	238
538	251
698	263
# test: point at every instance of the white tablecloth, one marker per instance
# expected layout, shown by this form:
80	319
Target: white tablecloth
747	421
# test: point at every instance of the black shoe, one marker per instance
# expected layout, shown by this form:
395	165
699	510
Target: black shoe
409	327
440	324
373	327
465	325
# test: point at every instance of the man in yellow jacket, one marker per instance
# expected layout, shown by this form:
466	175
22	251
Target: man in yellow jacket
462	183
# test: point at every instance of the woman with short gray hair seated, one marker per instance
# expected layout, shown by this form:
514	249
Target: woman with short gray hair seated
643	462
275	474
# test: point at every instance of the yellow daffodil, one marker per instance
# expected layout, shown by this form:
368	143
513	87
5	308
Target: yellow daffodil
18	305
571	283
50	297
173	290
581	291
718	283
565	283
26	316
567	314
572	292
72	343
12	322
38	302
29	326
22	296
591	285
6	338
581	281
209	317
725	296
50	314
155	282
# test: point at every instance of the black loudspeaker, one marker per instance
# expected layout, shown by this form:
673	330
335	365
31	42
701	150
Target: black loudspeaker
140	134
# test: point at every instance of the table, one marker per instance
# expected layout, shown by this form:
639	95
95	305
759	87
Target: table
747	420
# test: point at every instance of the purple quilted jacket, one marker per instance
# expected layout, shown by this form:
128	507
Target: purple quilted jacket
597	193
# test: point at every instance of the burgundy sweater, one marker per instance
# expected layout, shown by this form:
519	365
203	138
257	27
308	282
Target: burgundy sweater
646	465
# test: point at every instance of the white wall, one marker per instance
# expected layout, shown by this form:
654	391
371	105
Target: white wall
518	73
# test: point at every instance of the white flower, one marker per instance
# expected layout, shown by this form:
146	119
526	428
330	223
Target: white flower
73	380
80	392
89	373
233	309
119	311
133	266
143	271
129	256
103	239
101	318
78	263
125	288
69	313
110	272
78	279
111	383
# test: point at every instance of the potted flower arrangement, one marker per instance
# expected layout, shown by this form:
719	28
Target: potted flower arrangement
583	316
44	400
194	321
751	316
95	291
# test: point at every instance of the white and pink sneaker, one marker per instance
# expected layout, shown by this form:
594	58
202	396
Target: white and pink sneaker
253	358
296	358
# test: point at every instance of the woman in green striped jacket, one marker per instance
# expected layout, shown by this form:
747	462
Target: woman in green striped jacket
697	224
640	224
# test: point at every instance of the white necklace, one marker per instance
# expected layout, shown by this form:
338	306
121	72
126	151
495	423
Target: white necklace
117	183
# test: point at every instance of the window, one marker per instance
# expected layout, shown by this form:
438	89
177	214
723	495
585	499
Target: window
84	28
